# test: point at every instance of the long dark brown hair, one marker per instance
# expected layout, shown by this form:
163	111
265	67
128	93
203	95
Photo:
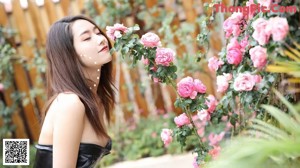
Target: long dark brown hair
65	73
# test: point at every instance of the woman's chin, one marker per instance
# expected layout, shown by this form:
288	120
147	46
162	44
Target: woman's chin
109	59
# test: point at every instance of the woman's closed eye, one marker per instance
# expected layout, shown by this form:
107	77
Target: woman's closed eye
87	38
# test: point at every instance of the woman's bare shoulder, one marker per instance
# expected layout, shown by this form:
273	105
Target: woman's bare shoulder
68	103
68	128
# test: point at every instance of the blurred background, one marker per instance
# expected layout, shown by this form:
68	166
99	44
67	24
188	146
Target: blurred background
143	107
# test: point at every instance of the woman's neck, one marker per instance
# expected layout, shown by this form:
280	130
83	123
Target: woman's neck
93	77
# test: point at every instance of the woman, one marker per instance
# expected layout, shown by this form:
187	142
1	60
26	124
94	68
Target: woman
80	92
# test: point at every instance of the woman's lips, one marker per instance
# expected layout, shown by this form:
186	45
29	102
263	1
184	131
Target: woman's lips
104	49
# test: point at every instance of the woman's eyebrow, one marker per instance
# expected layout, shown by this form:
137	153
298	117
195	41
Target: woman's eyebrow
87	31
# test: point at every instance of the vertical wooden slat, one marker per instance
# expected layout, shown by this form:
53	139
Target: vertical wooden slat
170	6
189	10
44	17
148	96
3	16
33	74
59	10
74	8
16	119
51	11
191	16
36	18
124	98
98	6
151	4
64	4
140	100
118	111
20	73
131	91
80	4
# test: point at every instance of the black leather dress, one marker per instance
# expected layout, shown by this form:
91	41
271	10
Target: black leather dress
87	156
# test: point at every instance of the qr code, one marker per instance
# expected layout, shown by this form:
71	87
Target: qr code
16	152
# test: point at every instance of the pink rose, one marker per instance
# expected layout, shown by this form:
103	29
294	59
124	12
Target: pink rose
257	78
261	37
164	56
234	56
150	40
244	82
154	68
258	56
116	31
211	103
227	27
195	118
222	82
203	115
195	164
236	17
199	86
186	88
259	24
232	24
228	76
244	43
234	53
260	34
279	28
214	63
201	131
1	87
214	153
234	43
214	139
166	136
181	120
236	30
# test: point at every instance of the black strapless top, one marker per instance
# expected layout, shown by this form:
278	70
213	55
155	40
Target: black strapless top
87	156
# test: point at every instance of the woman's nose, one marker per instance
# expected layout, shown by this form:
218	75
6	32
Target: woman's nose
100	40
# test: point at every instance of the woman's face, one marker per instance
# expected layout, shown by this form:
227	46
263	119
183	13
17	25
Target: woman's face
90	44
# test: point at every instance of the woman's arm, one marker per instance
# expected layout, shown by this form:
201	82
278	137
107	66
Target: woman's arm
68	128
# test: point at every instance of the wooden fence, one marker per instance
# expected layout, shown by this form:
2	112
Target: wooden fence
134	100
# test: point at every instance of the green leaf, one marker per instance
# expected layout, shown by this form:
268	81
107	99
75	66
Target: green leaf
136	27
271	79
268	129
282	118
248	98
188	101
288	105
